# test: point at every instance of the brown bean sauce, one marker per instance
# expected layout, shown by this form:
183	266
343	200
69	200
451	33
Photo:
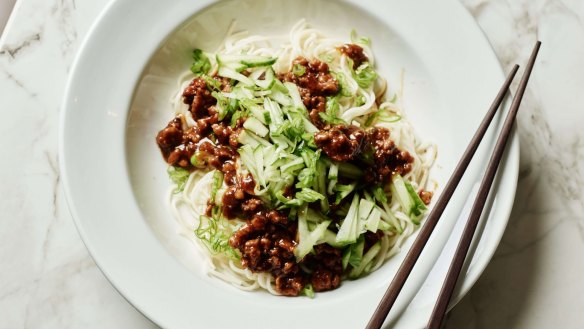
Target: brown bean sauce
355	53
268	238
267	241
315	83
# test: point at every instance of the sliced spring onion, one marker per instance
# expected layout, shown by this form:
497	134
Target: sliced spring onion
355	38
308	291
217	182
179	176
298	70
365	75
201	64
214	233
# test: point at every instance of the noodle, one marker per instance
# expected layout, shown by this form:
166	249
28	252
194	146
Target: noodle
189	205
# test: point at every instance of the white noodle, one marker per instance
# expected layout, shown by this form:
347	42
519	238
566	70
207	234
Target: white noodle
188	206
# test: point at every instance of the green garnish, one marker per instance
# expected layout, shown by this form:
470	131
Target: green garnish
179	176
331	113
201	64
365	75
214	232
298	70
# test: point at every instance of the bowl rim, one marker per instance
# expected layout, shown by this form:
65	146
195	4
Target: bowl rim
119	7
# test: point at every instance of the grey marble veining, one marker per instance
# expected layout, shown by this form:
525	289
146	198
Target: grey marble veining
532	281
48	280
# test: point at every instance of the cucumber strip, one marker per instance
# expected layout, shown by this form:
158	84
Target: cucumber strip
314	216
398	190
295	94
246	138
343	191
309	195
280	93
276	114
367	258
349	170
384	226
348	232
373	220
258	156
246	153
333	176
230	73
365	208
308	126
259	113
268	81
259	61
321	184
408	199
356	252
306	238
246	60
330	238
293	165
418	207
254	125
388	216
217	183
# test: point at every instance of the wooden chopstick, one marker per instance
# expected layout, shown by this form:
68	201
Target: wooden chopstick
412	256
475	214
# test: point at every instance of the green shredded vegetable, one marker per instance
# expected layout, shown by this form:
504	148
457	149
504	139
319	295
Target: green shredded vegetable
308	291
215	236
298	70
179	176
201	64
331	113
365	75
328	201
355	38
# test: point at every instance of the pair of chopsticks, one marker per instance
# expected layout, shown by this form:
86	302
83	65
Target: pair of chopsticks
405	269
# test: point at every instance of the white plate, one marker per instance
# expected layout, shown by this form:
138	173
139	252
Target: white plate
117	100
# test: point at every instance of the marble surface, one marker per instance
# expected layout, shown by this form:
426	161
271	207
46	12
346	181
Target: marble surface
48	279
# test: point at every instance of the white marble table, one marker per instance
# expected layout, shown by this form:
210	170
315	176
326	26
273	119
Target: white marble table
48	280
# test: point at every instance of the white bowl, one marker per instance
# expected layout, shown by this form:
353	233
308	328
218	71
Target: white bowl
115	179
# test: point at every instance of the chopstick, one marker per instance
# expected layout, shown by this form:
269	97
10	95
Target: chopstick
475	214
412	256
